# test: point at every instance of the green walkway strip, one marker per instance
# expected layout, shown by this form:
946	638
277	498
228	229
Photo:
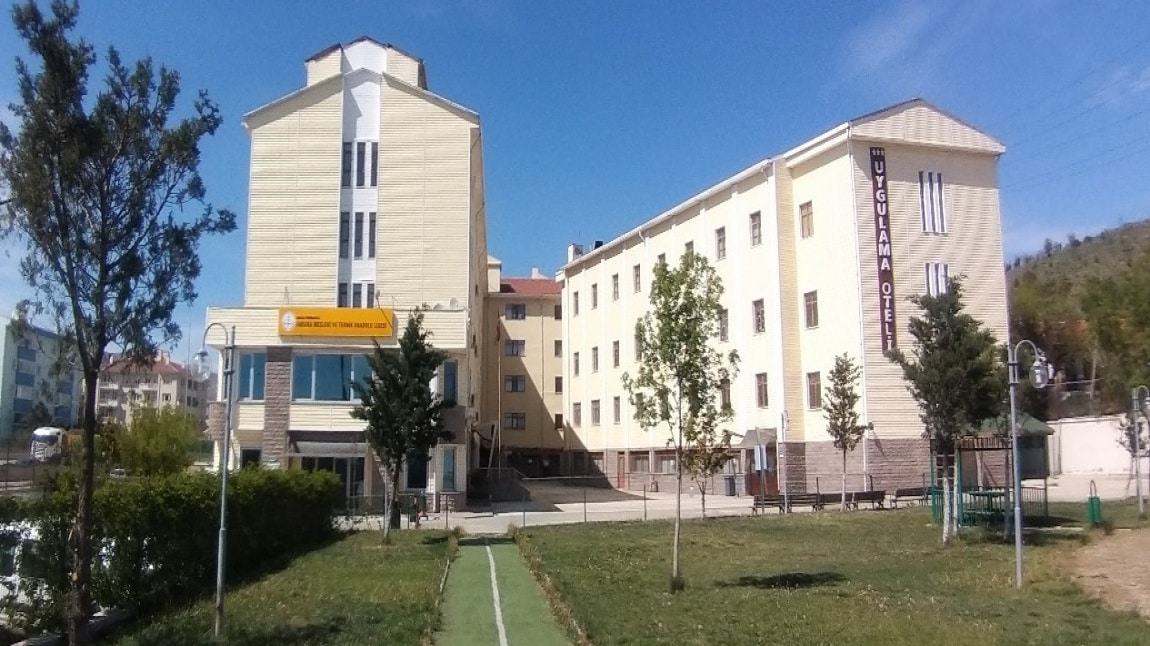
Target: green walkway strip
488	582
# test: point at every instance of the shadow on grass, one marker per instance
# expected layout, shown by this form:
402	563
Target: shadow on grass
486	540
323	632
786	581
1029	537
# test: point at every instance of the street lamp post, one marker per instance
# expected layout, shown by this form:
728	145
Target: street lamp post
781	445
201	370
1134	410
1038	378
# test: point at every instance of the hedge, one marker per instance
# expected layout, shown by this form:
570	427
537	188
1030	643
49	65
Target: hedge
156	537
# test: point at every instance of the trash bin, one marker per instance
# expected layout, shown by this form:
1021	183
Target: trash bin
730	481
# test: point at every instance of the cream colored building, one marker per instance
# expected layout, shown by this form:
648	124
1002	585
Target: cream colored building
818	249
365	201
523	378
124	387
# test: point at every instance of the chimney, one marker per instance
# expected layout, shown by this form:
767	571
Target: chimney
598	243
535	273
574	251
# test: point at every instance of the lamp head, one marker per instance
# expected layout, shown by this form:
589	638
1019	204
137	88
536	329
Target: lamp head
201	367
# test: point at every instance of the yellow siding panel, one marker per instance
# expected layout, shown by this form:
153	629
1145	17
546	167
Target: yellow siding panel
250	416
403	67
324	417
325	67
922	124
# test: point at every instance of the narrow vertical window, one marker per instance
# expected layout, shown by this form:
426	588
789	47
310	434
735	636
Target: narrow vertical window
922	201
370	294
759	315
637	277
358	234
341	297
595	296
617	404
814	391
345	166
374	163
811	307
344	233
720	243
756	229
360	162
807	218
941	207
357	295
371	235
724	325
614	287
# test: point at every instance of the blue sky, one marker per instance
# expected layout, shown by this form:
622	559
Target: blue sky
599	115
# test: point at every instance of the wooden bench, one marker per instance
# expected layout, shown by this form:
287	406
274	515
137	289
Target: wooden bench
766	502
812	500
877	499
909	493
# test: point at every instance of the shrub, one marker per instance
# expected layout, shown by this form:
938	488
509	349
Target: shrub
155	537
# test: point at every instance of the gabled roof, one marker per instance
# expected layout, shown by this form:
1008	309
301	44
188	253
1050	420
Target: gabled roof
362	39
530	286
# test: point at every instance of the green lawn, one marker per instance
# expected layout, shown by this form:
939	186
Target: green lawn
827	578
355	591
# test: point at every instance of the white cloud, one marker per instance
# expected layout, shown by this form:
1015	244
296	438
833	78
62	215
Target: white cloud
1124	86
888	38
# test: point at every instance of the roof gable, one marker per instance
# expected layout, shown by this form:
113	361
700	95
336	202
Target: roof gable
920	122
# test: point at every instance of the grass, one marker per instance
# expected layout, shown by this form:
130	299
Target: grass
355	591
827	578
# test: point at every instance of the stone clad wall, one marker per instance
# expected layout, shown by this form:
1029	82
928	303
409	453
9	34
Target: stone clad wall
277	406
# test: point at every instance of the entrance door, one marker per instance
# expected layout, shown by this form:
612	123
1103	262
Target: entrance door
621	473
761	481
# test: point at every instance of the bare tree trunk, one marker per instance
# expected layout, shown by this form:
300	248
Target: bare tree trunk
843	489
946	517
81	539
392	499
676	576
703	495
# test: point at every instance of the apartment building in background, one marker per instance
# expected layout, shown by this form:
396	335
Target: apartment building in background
818	249
365	202
38	384
125	387
523	376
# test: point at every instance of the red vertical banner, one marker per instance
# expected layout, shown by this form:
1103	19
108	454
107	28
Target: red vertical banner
882	237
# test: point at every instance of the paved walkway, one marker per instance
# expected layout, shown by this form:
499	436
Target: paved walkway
493	600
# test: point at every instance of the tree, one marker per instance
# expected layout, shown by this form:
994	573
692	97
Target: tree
839	407
106	195
1117	309
680	374
709	455
954	374
403	415
159	441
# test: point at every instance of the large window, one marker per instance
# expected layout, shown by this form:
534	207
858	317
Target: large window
251	374
326	377
756	229
930	202
515	311
515	421
762	399
759	315
361	160
807	219
515	383
937	278
811	307
665	462
514	348
640	463
814	390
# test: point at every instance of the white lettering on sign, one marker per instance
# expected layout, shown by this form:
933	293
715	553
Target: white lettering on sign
883	251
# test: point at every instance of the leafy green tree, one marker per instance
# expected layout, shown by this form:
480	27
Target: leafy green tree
709	455
404	416
159	441
680	373
840	408
106	196
1118	311
953	372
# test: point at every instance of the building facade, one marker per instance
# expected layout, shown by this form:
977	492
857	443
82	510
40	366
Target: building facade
523	378
38	384
818	249
124	387
365	202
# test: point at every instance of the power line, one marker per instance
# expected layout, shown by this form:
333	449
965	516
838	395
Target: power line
1056	173
1079	136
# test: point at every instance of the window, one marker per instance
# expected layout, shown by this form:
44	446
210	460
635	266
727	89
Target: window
558	312
661	259
515	383
725	394
811	307
167	397
665	463
360	162
371	235
617	405
448	461
574	303
640	463
814	391
357	295
359	234
637	278
577	414
720	243
559	384
374	162
345	166
807	219
369	292
515	311
724	325
595	359
930	202
450	381
615	354
594	295
341	295
762	399
515	421
558	421
575	364
514	348
251	375
614	287
756	229
327	377
344	233
937	278
594	412
559	347
689	247
760	316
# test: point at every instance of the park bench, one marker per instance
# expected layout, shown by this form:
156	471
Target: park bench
831	500
766	502
812	500
875	498
909	493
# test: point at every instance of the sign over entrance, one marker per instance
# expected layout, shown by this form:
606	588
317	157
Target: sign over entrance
336	322
882	236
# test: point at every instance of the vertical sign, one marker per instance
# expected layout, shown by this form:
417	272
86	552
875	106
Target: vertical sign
886	298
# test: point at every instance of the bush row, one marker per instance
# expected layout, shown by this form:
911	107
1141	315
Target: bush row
155	538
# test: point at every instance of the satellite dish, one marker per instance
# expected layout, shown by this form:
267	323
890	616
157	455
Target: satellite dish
455	303
437	306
